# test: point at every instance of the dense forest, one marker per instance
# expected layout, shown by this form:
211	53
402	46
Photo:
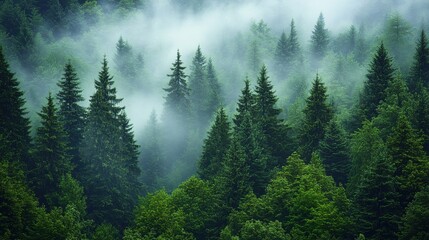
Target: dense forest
198	119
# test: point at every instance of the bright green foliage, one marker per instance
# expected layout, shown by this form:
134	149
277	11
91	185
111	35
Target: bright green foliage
156	218
18	206
151	162
376	206
214	94
257	230
319	39
71	194
105	232
215	147
318	113
267	116
234	178
419	75
14	126
51	159
398	100
109	156
334	152
409	160
201	208
379	75
416	218
71	114
199	86
302	198
366	147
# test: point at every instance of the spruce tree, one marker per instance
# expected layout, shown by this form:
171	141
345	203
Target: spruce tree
215	147
408	158
421	116
71	114
376	202
235	175
416	218
419	76
151	161
14	125
282	56
317	115
293	42
334	153
109	157
51	159
214	100
199	87
124	59
319	39
246	104
379	75
267	116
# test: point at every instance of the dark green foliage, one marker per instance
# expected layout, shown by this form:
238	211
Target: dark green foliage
14	125
151	160
419	75
376	207
245	105
274	132
51	159
71	114
317	116
199	86
109	156
319	39
379	75
234	179
255	229
409	160
293	42
334	152
416	218
421	117
215	147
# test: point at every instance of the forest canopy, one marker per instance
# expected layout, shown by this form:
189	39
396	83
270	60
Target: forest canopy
142	119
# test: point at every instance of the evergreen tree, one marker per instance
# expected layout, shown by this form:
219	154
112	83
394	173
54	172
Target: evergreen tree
267	116
318	113
51	159
419	75
335	153
71	114
293	42
378	77
124	59
376	202
235	175
215	147
215	94
409	160
246	104
109	156
151	161
421	116
416	218
14	125
282	56
199	87
319	39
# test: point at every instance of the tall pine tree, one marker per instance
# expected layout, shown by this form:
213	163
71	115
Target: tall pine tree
281	56
419	76
109	156
14	125
51	159
317	115
379	75
293	42
319	39
215	147
199	88
214	100
71	114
